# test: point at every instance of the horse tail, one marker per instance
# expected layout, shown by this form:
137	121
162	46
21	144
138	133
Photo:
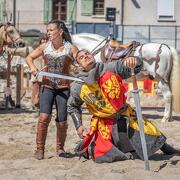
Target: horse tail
175	81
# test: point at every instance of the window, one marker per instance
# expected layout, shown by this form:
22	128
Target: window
60	10
165	10
98	8
86	7
47	10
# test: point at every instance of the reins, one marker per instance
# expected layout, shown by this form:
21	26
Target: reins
9	35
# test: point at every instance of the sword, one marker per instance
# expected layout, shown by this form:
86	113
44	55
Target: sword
135	92
60	76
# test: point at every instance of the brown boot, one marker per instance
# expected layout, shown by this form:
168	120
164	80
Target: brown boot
42	129
60	138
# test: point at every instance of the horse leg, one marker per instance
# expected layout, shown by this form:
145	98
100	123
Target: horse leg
167	95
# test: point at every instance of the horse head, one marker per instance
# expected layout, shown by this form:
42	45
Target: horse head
10	36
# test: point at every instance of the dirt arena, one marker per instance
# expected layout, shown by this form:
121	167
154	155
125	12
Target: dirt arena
17	144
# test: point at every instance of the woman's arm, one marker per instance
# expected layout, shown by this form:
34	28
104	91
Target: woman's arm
32	56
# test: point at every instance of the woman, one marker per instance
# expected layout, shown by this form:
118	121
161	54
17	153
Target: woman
58	54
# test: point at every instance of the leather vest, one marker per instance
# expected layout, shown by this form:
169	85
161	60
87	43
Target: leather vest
58	63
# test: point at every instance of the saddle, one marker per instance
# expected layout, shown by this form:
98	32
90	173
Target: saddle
114	50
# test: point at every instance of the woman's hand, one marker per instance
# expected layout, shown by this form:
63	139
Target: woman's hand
34	71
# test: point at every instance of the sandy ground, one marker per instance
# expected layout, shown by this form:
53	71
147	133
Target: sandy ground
17	145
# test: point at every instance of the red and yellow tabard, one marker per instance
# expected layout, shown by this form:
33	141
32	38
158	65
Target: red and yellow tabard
101	128
103	99
106	97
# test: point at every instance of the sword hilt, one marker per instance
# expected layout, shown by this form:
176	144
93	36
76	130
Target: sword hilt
134	81
37	74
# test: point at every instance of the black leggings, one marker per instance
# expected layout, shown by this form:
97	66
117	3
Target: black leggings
58	96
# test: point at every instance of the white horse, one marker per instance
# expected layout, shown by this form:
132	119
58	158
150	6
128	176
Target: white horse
160	61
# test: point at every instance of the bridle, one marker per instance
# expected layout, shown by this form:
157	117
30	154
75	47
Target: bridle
7	34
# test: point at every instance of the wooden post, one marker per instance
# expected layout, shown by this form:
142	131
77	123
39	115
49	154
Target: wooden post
19	84
7	89
28	75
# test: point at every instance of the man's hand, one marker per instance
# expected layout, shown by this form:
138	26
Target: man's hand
81	131
130	62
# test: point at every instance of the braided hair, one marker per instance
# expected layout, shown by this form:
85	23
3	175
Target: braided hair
60	24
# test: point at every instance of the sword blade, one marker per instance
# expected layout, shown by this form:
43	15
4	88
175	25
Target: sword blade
60	76
141	127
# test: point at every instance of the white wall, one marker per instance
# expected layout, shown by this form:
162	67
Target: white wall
29	14
99	18
147	14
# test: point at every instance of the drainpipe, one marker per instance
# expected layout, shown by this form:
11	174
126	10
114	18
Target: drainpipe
73	21
122	19
122	12
14	12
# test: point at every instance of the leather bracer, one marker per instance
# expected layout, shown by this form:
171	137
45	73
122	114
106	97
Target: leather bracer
76	120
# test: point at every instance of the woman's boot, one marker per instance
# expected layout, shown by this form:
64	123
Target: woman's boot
42	129
60	138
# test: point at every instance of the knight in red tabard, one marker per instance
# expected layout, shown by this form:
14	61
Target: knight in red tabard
114	133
